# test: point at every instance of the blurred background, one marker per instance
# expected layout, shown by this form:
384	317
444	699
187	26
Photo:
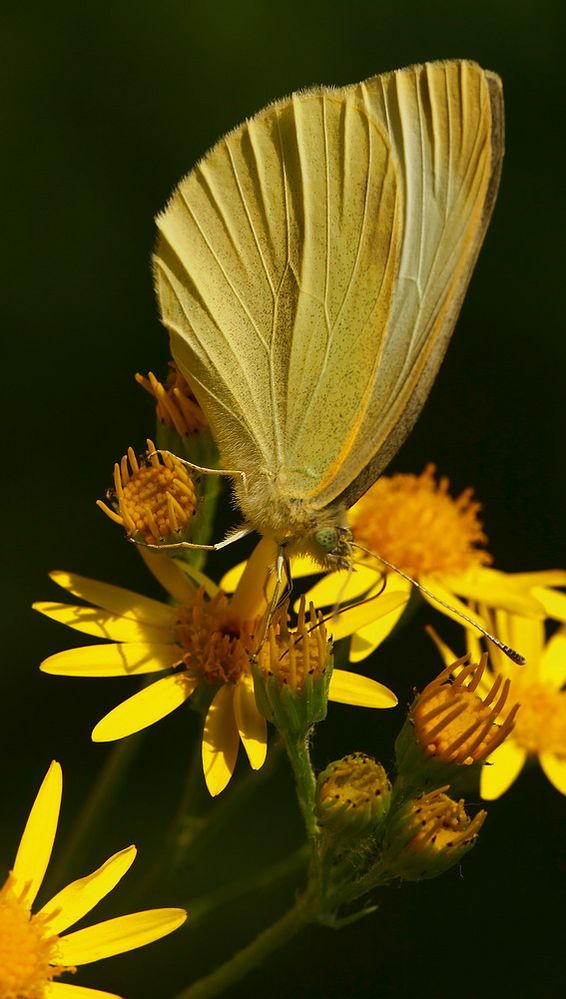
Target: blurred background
106	106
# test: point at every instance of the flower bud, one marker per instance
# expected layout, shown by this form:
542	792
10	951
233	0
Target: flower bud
292	671
353	796
450	726
427	835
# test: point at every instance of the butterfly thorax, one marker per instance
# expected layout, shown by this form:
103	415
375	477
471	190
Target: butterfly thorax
295	523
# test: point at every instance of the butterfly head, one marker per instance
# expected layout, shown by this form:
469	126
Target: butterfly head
332	546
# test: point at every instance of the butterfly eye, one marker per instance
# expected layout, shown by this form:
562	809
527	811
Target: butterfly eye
328	539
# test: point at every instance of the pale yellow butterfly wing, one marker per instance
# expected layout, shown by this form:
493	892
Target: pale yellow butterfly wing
311	268
275	271
445	123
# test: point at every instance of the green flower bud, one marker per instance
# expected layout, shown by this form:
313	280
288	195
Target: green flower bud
427	835
292	671
353	796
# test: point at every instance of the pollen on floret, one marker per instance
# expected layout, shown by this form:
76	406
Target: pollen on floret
216	645
414	522
176	405
28	952
154	498
453	724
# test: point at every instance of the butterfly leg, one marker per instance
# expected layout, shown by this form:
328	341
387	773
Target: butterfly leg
180	545
230	472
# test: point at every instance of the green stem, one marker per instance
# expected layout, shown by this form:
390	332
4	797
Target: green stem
299	758
201	908
251	956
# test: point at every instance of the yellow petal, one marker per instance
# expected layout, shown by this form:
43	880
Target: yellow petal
257	582
339	587
494	588
63	990
78	898
350	688
38	837
526	635
388	606
169	574
230	580
555	769
501	769
220	741
117	600
448	656
251	725
103	624
554	603
454	608
300	566
552	667
118	935
369	638
121	659
546	577
144	708
208	585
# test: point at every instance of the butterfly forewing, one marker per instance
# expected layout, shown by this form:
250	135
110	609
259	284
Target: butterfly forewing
310	270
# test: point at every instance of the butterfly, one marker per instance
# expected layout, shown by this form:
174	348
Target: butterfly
310	270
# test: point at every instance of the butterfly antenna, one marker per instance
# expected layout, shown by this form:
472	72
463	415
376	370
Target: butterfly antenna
515	657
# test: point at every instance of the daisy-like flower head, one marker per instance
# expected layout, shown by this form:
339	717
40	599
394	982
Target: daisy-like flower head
205	637
155	500
33	952
438	540
176	406
538	687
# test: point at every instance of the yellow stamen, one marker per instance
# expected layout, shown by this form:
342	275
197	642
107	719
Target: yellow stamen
216	644
28	952
414	523
541	723
154	500
176	404
453	724
291	656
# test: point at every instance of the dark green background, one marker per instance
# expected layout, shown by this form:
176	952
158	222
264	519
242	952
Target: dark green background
106	105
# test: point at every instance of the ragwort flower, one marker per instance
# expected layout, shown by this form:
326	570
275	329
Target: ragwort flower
437	539
540	724
32	951
205	637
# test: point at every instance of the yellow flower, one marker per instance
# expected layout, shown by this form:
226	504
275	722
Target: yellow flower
176	405
540	724
155	500
204	637
32	951
414	523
